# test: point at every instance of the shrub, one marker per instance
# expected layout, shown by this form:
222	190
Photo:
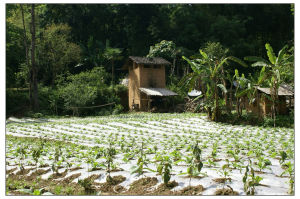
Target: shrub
17	101
88	89
117	109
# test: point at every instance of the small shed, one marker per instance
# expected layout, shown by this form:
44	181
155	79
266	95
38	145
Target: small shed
147	82
263	104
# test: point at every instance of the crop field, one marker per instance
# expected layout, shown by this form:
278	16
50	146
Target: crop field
147	154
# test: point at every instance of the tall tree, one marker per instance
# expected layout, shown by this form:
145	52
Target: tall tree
55	53
27	54
35	100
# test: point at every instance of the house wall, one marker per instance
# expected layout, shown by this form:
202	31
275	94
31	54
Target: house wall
144	76
134	85
264	106
144	102
152	76
282	109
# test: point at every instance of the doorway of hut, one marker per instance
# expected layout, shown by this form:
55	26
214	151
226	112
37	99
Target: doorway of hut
157	104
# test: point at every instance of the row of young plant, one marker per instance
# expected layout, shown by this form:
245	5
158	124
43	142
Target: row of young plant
260	138
174	155
194	161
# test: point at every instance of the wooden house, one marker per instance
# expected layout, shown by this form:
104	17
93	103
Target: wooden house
147	82
262	105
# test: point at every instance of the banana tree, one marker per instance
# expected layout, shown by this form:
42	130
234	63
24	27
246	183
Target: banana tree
208	68
248	87
273	67
242	88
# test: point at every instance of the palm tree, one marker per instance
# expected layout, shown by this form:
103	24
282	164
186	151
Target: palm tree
112	54
274	66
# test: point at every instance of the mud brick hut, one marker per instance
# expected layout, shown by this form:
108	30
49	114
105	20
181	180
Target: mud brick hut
263	105
147	82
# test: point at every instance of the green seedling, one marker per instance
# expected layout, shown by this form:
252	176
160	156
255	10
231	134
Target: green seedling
214	153
109	156
164	169
283	157
291	172
237	165
36	153
176	155
195	163
225	172
56	163
86	184
142	161
211	163
250	180
22	154
234	154
263	163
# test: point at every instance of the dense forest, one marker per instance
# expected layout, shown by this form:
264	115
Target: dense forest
60	56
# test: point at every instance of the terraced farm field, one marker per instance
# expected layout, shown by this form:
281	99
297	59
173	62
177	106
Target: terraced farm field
147	154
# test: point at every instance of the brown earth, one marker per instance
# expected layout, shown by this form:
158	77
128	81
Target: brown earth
59	175
226	191
111	187
140	186
191	190
143	186
222	180
37	173
75	168
24	171
11	170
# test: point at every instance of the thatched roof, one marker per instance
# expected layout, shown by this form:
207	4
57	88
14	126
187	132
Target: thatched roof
149	61
157	92
282	91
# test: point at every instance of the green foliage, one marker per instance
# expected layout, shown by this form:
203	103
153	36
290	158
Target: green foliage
56	52
16	101
164	49
208	66
112	53
64	46
83	89
85	183
15	55
37	192
272	75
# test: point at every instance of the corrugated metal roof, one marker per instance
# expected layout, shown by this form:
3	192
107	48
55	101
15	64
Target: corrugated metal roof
281	91
157	91
147	60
